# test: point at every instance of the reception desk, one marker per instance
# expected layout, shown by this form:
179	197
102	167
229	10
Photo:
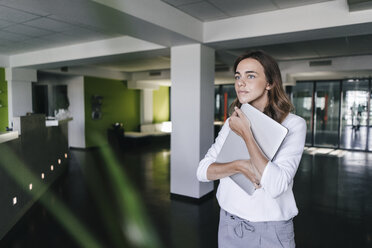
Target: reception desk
8	136
55	122
43	151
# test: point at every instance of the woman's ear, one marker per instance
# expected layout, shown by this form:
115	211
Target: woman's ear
268	86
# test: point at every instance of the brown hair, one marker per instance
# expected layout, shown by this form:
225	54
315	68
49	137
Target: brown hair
279	105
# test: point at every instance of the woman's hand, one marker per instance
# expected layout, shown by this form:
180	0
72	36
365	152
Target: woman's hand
249	171
239	123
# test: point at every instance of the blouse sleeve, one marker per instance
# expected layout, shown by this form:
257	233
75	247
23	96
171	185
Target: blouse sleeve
212	153
280	172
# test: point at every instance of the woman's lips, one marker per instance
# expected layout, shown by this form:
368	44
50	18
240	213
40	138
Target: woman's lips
243	92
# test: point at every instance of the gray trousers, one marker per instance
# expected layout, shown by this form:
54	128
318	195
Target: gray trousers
237	232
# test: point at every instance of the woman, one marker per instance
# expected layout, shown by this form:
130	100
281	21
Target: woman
263	219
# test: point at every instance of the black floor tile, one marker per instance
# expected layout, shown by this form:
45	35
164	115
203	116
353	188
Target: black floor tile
333	194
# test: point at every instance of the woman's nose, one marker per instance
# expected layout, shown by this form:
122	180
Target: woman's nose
241	83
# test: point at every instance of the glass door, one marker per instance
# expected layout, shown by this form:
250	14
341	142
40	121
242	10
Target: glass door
369	122
225	96
327	112
354	112
303	104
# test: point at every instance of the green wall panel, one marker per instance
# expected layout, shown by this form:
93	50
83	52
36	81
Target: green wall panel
161	104
119	104
3	101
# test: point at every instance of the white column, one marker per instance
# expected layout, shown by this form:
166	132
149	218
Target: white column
76	127
146	106
192	106
19	91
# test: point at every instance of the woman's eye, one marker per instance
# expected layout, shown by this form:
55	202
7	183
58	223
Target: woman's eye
250	76
237	77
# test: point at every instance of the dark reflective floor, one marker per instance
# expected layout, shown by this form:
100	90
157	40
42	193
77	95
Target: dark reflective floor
332	188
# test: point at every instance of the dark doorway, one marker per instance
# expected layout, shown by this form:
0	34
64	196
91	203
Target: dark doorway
40	99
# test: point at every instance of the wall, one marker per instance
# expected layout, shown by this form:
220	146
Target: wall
75	93
19	82
119	104
161	104
3	101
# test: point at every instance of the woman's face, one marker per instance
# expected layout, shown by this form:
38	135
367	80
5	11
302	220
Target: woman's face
250	83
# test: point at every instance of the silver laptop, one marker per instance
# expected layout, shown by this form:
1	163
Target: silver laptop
269	135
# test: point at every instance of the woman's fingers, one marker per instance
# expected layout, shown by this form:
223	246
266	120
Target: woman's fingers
257	185
238	111
247	170
255	182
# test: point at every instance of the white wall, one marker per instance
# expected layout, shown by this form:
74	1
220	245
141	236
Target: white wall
21	97
4	61
19	91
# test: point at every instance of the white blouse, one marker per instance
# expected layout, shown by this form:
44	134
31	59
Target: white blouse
274	201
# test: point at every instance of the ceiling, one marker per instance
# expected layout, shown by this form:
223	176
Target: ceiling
315	49
211	10
25	27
